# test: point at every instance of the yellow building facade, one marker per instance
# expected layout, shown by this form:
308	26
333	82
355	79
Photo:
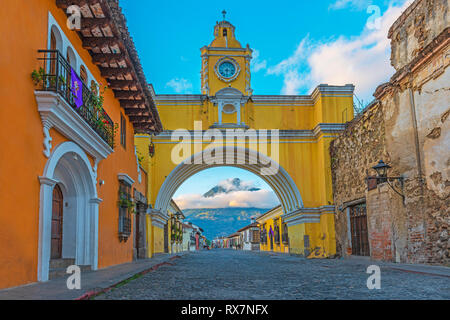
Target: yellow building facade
273	231
282	139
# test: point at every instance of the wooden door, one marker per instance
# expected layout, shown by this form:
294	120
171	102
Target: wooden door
57	220
166	238
137	231
358	224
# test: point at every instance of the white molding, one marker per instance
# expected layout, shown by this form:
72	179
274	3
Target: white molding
306	215
159	219
322	90
125	178
321	128
56	112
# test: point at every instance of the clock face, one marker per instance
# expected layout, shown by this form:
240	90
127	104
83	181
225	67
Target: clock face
227	69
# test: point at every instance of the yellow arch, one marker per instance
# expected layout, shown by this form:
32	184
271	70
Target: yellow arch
280	181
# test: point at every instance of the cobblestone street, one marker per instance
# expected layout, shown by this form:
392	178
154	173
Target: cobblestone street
229	274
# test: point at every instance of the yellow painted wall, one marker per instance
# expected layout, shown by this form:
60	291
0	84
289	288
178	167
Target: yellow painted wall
158	240
149	236
269	220
22	140
306	159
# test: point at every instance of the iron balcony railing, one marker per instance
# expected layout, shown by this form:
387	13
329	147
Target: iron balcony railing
56	77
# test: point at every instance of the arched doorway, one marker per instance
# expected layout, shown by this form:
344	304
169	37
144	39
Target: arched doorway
68	216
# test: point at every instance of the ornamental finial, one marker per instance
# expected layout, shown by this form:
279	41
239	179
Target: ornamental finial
224	13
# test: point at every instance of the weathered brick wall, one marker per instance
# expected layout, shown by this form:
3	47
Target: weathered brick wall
353	153
386	218
409	129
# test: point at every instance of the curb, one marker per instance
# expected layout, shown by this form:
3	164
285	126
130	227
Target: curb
93	293
420	272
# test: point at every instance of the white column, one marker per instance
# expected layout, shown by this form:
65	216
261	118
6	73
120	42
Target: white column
237	106
94	204
220	108
45	226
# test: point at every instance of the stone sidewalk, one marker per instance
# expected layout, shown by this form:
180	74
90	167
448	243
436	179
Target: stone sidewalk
91	282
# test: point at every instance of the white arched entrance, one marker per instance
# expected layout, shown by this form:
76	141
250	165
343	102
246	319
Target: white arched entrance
247	159
70	168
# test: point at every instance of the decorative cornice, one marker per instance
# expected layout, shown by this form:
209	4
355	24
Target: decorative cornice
96	200
125	178
323	90
321	128
437	44
47	181
402	18
306	215
56	112
157	214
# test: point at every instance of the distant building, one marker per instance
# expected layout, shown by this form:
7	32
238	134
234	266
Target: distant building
188	229
235	241
273	231
250	236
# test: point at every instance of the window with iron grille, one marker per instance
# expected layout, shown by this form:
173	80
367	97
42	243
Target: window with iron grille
255	236
124	211
284	235
276	233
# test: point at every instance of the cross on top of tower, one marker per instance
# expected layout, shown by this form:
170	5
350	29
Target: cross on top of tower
224	13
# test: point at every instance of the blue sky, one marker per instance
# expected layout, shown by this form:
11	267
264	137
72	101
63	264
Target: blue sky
190	193
297	45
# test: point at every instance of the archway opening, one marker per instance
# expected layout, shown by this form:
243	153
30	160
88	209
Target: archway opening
74	206
222	200
261	166
253	161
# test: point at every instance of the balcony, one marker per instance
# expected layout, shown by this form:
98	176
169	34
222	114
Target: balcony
55	73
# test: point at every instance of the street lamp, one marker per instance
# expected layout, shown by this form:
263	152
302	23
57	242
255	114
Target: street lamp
382	168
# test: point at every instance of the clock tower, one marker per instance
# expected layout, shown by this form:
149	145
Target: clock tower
225	63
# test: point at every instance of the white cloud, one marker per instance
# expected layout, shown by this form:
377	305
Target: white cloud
290	69
256	63
180	85
354	4
229	185
363	60
241	199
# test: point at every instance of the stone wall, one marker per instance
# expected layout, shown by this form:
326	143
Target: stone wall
416	28
408	128
353	153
